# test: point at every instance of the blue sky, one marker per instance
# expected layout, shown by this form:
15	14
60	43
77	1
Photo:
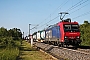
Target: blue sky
21	13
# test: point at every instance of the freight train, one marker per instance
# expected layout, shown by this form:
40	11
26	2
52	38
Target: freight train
64	33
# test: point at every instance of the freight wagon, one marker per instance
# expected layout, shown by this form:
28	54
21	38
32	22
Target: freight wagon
34	36
40	36
52	34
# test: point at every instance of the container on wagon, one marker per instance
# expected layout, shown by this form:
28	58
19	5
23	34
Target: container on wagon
42	34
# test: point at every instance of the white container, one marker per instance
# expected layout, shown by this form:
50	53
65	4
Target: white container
34	36
38	35
43	34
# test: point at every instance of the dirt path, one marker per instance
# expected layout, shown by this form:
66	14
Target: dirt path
28	53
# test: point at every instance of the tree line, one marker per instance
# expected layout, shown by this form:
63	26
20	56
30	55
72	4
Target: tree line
85	33
9	37
10	42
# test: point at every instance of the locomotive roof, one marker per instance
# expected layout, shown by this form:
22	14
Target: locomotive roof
68	22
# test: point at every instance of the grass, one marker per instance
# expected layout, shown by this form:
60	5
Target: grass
9	54
29	53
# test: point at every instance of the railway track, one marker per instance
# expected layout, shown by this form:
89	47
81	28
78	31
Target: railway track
84	49
74	54
65	53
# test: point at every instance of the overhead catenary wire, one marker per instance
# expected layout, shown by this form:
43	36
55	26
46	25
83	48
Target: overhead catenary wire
46	24
34	27
77	5
74	6
79	8
81	2
81	15
51	20
65	2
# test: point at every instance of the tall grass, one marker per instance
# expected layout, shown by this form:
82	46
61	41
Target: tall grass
9	54
11	51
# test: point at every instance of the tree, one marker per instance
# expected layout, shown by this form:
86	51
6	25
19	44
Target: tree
15	33
85	33
8	37
3	32
86	22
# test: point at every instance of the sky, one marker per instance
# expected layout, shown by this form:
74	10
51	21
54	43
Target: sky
41	13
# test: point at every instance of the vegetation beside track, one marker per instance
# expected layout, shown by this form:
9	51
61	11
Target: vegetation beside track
30	53
10	41
85	33
9	54
10	51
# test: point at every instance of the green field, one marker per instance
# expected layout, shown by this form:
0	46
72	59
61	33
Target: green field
29	53
9	54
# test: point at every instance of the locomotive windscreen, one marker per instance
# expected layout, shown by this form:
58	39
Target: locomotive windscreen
71	27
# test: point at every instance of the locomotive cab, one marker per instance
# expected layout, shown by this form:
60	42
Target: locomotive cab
70	33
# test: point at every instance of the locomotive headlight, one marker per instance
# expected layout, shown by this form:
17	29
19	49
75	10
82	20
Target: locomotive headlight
65	37
78	37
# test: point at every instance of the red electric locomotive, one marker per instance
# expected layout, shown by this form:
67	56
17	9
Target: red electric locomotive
69	33
63	33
